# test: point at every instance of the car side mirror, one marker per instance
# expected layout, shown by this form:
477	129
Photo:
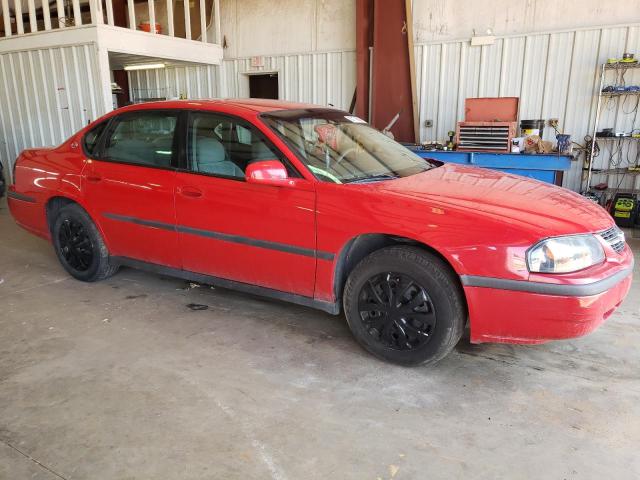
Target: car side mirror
267	172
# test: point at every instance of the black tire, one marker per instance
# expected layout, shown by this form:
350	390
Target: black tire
3	184
79	245
422	312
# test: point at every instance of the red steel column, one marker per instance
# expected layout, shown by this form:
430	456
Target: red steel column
392	70
364	40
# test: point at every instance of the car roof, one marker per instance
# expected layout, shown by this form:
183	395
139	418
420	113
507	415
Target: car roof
256	104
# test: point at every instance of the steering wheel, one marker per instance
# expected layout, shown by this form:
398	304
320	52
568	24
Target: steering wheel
345	153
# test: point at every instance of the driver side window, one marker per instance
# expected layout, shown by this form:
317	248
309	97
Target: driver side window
222	146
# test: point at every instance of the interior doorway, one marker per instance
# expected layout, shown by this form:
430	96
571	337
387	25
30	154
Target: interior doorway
264	86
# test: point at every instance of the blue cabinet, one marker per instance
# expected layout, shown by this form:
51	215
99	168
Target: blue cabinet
544	167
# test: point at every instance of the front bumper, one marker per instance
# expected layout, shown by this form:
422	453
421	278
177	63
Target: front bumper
531	312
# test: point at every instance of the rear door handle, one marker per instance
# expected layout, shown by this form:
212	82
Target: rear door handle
94	178
191	192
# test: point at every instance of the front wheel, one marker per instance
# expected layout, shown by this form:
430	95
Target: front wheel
404	305
79	245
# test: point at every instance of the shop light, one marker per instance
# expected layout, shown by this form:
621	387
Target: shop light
145	66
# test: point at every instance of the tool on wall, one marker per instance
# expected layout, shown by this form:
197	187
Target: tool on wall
387	130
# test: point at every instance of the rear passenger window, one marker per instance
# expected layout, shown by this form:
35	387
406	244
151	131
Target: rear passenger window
144	138
92	137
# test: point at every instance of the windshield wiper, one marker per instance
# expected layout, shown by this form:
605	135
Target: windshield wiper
372	178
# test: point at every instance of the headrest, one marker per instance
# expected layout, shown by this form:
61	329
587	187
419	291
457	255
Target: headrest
209	150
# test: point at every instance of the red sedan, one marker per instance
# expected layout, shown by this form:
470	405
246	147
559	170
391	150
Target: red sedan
312	205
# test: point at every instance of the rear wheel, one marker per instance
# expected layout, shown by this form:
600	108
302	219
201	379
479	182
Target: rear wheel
405	306
79	245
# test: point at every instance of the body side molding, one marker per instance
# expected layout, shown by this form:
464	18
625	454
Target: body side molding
329	307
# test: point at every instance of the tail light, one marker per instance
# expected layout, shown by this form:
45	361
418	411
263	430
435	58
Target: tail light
13	170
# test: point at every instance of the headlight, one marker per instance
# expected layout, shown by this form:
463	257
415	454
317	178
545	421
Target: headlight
565	254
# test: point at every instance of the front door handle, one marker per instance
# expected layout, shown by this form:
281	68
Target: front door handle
93	178
191	192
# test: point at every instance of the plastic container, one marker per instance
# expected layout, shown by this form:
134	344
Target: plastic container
531	127
146	27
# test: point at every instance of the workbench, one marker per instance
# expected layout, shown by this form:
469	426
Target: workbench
546	167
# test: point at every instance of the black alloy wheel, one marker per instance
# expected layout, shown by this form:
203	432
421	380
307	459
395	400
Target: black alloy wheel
79	245
397	311
405	305
75	245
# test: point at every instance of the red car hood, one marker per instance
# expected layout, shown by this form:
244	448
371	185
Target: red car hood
539	206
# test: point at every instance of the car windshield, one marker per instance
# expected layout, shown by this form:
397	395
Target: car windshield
340	148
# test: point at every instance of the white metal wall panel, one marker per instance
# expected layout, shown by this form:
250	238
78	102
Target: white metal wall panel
533	75
580	102
191	81
556	80
553	73
323	78
45	96
511	66
490	63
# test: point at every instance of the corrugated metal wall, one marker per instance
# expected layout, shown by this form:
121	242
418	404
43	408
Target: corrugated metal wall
322	78
45	96
172	82
554	74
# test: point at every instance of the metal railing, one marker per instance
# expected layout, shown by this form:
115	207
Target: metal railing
20	17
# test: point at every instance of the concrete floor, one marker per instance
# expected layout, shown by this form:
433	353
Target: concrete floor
121	380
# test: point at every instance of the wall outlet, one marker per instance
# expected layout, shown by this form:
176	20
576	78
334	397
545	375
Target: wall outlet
428	123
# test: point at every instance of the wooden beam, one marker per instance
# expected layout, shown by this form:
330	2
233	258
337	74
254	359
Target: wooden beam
109	4
391	83
46	15
77	14
216	12
33	21
18	13
6	18
132	15
412	68
170	18
203	22
152	16
187	19
60	13
94	8
364	41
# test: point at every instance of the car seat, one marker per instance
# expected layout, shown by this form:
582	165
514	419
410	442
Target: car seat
210	157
